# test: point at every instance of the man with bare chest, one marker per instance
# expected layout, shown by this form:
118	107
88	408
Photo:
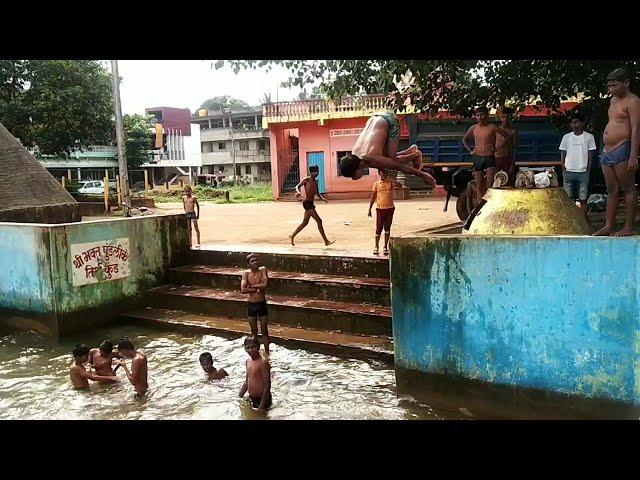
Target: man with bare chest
377	147
310	185
484	160
619	159
138	374
101	358
506	147
254	283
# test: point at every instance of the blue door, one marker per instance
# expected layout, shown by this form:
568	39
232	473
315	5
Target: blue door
317	158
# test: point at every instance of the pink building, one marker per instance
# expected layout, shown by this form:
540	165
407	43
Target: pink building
319	132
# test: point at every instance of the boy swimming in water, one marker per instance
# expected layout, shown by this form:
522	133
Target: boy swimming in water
78	373
258	379
101	358
206	362
138	374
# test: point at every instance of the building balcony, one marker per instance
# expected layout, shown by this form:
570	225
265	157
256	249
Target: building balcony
224	157
80	160
350	107
223	135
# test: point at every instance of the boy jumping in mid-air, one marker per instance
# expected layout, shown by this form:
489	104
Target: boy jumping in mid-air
254	282
258	379
377	147
310	191
382	193
206	362
190	203
78	372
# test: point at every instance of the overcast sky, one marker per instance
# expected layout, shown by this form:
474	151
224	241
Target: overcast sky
187	83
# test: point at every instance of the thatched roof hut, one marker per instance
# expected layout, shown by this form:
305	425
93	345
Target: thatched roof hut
28	193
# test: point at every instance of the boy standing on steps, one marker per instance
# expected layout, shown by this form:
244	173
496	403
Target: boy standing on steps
382	193
310	191
254	282
190	203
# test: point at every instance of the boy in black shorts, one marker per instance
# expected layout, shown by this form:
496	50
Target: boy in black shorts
310	191
254	282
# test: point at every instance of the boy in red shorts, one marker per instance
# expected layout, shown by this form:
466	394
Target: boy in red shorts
382	193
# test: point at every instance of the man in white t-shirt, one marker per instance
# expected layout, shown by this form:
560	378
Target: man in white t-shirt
576	155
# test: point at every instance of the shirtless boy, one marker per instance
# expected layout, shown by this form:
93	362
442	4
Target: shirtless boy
484	160
254	282
310	191
619	159
206	362
138	374
78	373
506	147
101	358
258	379
190	203
377	147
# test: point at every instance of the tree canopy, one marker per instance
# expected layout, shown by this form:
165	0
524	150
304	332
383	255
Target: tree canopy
56	104
137	132
215	104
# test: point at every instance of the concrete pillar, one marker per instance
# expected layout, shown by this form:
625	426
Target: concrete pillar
153	178
209	123
190	178
256	118
69	173
79	177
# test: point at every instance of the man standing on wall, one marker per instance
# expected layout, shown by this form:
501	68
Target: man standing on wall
619	159
576	155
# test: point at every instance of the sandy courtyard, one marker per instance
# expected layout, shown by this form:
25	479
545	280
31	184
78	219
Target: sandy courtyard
346	221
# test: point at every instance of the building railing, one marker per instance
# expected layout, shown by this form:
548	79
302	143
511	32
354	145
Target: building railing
311	107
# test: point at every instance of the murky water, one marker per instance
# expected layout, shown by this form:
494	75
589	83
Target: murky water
34	382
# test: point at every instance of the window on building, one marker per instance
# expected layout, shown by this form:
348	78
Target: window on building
238	171
244	145
221	168
247	169
262	145
217	123
266	168
222	145
339	155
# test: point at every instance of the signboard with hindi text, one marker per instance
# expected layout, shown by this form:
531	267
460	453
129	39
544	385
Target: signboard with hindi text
345	132
100	261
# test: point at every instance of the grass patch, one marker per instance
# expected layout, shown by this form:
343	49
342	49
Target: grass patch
259	192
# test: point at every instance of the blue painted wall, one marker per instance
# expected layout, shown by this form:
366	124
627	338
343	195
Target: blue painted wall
554	313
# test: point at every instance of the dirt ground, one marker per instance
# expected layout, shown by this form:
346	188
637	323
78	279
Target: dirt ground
346	221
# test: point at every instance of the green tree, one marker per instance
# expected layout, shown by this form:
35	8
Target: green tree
138	136
56	104
216	104
459	85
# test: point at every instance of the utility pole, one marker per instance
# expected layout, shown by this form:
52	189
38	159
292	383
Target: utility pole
122	161
233	149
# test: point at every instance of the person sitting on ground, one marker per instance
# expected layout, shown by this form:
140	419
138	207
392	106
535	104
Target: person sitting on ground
254	282
101	358
138	374
619	159
206	362
382	193
190	203
377	147
310	191
258	378
576	155
78	372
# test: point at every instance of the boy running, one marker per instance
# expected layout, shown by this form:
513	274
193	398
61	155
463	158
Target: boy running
78	373
254	282
310	191
382	193
258	379
190	203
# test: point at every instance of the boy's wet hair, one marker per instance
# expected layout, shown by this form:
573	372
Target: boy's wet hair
349	165
314	169
80	350
619	75
106	346
125	344
252	340
578	116
482	110
206	356
250	256
187	187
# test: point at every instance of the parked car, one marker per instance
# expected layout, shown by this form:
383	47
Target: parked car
95	187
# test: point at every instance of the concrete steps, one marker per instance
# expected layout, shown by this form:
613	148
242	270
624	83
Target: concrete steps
349	317
331	343
309	285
